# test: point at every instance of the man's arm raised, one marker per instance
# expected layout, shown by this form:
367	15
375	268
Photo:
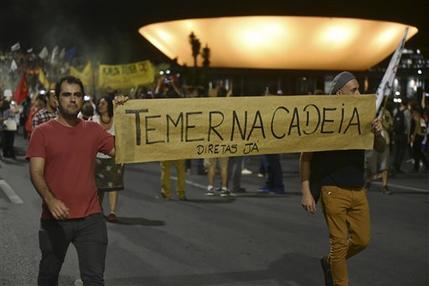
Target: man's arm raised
118	100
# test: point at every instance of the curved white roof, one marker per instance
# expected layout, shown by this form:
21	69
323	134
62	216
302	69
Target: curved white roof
281	42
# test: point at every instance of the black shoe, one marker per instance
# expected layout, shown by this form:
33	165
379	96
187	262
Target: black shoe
240	190
386	190
165	196
326	271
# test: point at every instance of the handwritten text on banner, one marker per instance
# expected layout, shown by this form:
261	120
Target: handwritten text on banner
169	129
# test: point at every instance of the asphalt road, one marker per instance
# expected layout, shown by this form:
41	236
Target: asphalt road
250	239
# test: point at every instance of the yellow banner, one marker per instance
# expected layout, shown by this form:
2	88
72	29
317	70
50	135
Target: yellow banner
86	75
42	79
170	129
126	76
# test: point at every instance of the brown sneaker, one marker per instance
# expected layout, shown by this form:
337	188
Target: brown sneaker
182	197
165	196
112	218
326	267
386	190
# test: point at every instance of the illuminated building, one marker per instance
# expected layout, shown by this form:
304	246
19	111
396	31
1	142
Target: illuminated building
280	47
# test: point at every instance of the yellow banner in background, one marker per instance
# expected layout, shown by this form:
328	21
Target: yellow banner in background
170	129
126	76
43	80
86	75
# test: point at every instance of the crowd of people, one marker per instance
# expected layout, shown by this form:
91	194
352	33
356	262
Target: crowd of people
406	130
404	126
48	110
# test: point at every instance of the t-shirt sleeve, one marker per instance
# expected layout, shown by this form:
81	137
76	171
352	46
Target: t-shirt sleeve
36	147
107	141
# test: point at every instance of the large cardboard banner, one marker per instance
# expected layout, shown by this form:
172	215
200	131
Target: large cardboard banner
126	76
170	129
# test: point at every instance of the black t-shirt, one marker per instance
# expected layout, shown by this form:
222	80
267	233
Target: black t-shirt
342	168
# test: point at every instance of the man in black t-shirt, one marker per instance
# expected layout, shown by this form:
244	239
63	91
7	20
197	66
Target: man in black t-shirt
338	176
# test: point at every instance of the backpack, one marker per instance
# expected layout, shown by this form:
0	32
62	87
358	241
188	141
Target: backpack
399	122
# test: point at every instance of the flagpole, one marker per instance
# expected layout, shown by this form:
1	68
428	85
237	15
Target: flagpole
386	83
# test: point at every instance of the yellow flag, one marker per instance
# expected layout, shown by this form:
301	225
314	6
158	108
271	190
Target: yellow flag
42	79
85	75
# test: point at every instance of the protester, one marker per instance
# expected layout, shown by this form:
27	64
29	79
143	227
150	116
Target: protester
273	170
339	177
108	175
166	177
37	104
168	88
244	169
87	111
48	112
62	165
378	163
8	126
236	164
401	133
210	164
235	171
425	142
417	137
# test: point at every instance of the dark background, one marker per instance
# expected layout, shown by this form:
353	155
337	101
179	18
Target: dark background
108	29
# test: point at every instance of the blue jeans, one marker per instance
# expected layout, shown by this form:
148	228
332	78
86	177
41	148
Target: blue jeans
88	235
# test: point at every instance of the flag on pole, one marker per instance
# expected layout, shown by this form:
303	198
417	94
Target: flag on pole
15	47
54	54
43	79
386	83
62	53
44	53
21	91
13	66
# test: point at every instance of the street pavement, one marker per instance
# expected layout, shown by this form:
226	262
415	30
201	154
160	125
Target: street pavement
250	239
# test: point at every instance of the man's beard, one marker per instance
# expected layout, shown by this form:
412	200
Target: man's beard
66	114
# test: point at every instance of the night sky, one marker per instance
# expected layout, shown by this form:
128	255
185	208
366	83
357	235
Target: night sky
108	29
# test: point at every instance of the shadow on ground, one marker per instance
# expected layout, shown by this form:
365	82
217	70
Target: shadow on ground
290	270
138	221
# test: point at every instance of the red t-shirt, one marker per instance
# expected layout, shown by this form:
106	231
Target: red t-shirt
69	154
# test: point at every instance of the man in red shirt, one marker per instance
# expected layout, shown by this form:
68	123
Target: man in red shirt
62	155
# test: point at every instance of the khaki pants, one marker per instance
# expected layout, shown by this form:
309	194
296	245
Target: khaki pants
165	176
347	217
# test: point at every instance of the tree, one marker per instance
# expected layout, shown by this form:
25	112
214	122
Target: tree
206	56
